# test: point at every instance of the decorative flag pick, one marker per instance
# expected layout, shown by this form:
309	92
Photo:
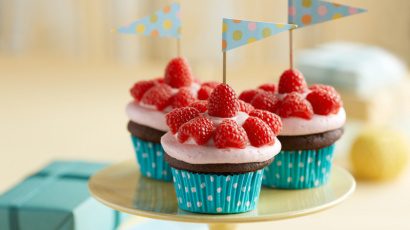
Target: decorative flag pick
163	23
308	12
236	33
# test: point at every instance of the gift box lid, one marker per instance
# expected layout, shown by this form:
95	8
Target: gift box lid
52	198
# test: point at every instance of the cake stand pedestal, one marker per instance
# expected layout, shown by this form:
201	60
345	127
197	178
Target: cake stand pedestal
122	188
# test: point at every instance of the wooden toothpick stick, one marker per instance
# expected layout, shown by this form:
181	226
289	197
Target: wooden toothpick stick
291	49
224	67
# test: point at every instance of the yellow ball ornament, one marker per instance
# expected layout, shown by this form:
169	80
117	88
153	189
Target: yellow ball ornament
379	154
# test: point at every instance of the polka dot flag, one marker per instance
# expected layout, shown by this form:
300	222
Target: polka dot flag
309	12
237	33
163	23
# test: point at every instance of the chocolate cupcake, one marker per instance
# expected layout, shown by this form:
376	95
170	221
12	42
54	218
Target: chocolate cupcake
217	155
313	120
153	99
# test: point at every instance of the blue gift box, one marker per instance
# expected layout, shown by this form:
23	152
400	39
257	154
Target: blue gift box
56	197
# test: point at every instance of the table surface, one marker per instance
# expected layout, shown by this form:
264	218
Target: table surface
51	110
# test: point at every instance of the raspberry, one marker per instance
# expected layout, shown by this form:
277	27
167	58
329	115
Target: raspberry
159	95
230	134
183	98
258	131
266	101
324	87
245	107
178	73
204	92
223	102
268	87
248	95
178	117
294	105
139	89
201	106
325	100
292	81
271	119
199	128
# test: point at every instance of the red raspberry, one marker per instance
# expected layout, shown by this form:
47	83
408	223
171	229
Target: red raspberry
178	73
139	89
271	119
245	107
294	105
223	102
230	135
268	87
204	92
159	95
292	81
258	131
248	95
178	117
183	98
199	128
266	101
325	100
201	106
315	87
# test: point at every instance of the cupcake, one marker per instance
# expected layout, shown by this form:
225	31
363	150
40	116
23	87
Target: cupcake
313	119
152	100
217	150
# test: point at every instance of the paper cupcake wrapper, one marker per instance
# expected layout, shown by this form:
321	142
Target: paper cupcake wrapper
217	194
151	159
299	169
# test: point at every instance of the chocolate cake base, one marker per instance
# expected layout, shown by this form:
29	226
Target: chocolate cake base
144	132
224	169
311	141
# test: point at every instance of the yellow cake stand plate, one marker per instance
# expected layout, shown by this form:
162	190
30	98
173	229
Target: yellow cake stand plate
121	187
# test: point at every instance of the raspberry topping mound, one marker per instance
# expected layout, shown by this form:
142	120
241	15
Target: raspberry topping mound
266	101
159	96
178	73
245	107
248	95
294	105
200	129
183	98
178	117
223	102
201	106
204	92
271	119
230	134
324	100
139	89
292	81
268	87
259	133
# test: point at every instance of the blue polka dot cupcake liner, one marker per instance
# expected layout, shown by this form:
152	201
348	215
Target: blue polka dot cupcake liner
299	169
151	159
217	194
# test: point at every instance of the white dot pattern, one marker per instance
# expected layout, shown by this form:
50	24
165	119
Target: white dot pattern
206	193
299	169
151	160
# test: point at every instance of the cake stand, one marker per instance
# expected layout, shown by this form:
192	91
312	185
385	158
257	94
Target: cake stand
122	188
